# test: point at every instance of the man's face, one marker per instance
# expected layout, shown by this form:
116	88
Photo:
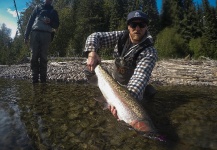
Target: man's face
137	29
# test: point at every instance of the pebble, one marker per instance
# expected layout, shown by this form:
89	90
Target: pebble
166	72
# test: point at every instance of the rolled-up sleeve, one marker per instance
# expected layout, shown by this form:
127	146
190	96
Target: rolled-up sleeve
99	40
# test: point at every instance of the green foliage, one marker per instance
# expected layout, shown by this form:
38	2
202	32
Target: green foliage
165	16
150	7
190	26
180	29
195	46
209	47
170	44
209	37
89	18
5	44
64	33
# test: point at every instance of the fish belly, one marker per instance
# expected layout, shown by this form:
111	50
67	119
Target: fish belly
128	110
113	99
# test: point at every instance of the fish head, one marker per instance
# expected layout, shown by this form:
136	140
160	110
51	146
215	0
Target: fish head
141	126
91	77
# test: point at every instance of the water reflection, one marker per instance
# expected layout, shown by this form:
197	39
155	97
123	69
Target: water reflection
66	116
12	131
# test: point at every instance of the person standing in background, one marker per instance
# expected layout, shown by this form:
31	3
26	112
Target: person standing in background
40	25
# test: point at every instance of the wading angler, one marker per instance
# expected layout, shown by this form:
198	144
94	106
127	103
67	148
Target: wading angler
40	25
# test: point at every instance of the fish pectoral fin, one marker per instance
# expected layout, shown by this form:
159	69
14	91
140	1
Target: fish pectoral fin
91	77
102	100
106	106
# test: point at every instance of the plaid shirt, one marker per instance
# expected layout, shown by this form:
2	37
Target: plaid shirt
145	61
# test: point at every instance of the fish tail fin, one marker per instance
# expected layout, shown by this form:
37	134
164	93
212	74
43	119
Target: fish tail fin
155	136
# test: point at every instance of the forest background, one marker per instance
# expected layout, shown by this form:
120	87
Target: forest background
181	29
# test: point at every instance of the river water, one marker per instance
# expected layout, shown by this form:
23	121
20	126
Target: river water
66	116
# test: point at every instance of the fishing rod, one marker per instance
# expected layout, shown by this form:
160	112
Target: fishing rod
19	23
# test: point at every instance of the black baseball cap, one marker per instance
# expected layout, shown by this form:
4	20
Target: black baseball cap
137	14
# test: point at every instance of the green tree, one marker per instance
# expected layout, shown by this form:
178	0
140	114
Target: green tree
189	27
89	18
170	44
195	46
172	13
64	33
117	18
209	38
5	44
166	19
150	7
183	28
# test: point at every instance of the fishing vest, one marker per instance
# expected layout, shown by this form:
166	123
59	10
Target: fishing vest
39	24
126	58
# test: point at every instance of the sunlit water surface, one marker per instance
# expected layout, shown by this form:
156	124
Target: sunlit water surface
66	116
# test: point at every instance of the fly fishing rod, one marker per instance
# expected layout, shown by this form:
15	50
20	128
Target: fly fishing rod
19	23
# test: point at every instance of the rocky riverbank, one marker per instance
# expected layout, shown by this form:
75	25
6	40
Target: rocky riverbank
166	72
185	72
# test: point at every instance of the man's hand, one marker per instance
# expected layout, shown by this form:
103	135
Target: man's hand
114	112
92	61
46	20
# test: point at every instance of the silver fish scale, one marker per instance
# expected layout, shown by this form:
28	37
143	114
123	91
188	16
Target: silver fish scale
128	108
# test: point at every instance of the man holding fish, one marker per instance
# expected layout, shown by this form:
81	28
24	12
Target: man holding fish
135	58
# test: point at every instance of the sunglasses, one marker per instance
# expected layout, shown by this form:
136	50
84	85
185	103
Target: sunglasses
135	24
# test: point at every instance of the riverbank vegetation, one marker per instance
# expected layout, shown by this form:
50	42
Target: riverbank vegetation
181	28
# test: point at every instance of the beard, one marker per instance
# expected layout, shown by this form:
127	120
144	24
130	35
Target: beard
136	37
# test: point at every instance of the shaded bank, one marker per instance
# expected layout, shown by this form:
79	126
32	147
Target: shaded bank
166	72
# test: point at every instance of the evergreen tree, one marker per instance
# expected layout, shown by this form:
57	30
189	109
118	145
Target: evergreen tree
166	19
150	7
89	18
189	27
64	33
5	44
195	26
117	18
209	39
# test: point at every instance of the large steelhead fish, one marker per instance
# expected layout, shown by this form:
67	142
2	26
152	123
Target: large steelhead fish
128	109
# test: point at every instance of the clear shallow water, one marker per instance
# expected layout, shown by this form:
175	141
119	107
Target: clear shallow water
66	116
